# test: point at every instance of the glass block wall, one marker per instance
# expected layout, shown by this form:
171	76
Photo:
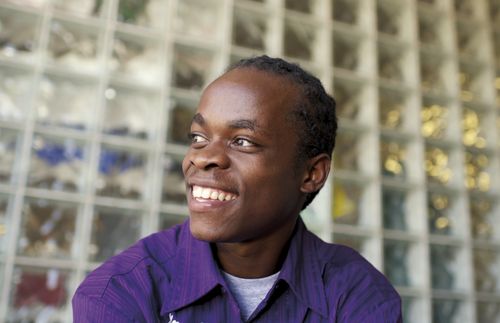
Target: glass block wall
96	97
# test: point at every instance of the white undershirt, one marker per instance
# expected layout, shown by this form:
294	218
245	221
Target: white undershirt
249	292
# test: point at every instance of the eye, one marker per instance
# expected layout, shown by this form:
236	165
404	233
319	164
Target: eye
242	142
196	138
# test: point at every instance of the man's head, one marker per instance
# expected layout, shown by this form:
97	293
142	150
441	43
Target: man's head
313	114
261	146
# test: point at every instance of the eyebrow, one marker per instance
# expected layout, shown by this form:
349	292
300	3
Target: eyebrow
235	124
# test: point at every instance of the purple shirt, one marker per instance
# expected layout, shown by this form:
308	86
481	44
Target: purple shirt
172	277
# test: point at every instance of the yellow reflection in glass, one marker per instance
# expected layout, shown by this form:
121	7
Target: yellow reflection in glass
436	165
393	158
390	108
345	203
434	118
472	133
476	173
480	210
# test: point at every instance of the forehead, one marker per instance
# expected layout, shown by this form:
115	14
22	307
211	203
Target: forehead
246	91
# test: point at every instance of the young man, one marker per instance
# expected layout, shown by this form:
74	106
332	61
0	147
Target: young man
261	146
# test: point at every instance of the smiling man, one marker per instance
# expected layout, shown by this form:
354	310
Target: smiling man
261	145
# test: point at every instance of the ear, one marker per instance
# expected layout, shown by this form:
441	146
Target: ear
316	173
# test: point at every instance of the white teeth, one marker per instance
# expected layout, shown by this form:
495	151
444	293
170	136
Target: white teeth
197	191
212	194
205	193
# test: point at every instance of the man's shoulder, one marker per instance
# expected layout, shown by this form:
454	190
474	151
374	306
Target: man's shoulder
146	259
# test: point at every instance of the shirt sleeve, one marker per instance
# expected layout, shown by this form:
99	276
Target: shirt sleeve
91	310
386	312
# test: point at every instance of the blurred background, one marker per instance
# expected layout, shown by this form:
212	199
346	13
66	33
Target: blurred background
96	97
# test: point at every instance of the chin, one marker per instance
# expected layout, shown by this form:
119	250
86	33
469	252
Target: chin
205	232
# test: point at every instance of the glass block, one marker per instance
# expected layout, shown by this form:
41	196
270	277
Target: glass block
47	229
464	7
486	264
494	11
74	46
173	188
488	312
468	40
57	164
346	11
437	165
145	13
431	75
19	34
446	310
390	63
471	84
391	109
346	49
136	59
192	67
347	151
496	46
130	113
441	215
477	176
199	18
5	227
443	267
473	132
122	173
113	230
412	309
347	95
484	223
30	3
428	31
39	294
16	88
9	144
169	220
394	209
435	119
181	115
66	102
497	86
393	158
299	41
2	270
304	6
395	262
388	18
355	242
79	7
249	30
347	199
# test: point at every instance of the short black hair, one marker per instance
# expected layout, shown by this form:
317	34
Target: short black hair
315	112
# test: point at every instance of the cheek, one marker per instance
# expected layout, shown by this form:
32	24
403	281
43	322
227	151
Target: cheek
185	163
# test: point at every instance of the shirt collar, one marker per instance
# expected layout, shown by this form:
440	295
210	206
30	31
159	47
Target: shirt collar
196	273
303	272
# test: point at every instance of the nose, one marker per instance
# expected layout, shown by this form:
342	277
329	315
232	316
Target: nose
213	155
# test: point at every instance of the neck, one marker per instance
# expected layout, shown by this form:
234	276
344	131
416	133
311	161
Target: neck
257	258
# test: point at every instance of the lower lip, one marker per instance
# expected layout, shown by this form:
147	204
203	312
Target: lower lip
203	205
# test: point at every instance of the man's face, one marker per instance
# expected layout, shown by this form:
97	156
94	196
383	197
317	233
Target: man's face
241	173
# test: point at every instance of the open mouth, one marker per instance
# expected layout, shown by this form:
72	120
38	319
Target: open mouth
201	193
